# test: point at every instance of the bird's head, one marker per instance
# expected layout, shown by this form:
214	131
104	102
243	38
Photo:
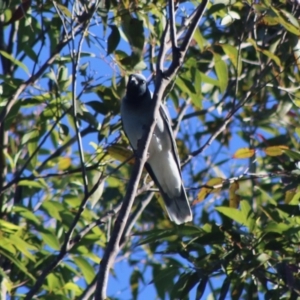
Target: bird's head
136	86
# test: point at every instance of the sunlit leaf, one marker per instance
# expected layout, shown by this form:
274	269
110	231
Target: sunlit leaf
244	153
85	268
49	239
64	163
20	265
31	183
23	246
233	214
53	282
7	226
221	71
120	153
275	150
234	56
214	185
70	286
64	9
289	195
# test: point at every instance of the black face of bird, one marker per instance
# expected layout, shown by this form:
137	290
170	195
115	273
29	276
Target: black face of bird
136	86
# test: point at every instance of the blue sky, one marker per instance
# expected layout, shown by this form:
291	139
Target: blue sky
101	66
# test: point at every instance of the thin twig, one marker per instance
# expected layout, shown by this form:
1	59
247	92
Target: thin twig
67	245
34	77
162	49
181	115
172	26
162	81
75	64
88	228
135	216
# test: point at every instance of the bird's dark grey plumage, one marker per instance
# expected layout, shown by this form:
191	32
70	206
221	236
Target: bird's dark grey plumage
163	163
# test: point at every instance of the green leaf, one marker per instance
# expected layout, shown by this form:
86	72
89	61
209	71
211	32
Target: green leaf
23	246
14	61
233	214
6	245
134	283
53	282
134	31
201	288
8	227
224	288
86	269
31	183
26	214
64	10
53	209
49	239
284	21
273	57
248	214
276	227
184	284
209	80
113	39
293	154
221	71
73	287
156	235
234	56
20	266
30	139
237	289
201	41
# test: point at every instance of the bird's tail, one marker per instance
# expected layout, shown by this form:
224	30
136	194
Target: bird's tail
178	208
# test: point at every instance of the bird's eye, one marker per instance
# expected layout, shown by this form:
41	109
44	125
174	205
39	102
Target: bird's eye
143	81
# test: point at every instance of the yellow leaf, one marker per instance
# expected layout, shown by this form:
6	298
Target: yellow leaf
275	150
214	185
297	103
201	195
244	153
289	195
64	163
120	153
297	130
234	199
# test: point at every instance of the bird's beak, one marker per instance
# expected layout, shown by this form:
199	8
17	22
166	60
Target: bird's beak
133	80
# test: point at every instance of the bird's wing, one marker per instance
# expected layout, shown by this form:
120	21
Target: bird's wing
167	121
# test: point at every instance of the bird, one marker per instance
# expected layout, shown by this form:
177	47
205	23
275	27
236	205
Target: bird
163	164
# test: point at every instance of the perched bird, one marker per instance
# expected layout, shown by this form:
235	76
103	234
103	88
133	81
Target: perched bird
163	163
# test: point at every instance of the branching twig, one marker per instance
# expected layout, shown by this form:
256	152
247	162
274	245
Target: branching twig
67	245
135	215
143	204
162	81
220	129
98	222
33	78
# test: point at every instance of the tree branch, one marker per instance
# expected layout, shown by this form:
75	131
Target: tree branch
172	25
161	83
67	245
